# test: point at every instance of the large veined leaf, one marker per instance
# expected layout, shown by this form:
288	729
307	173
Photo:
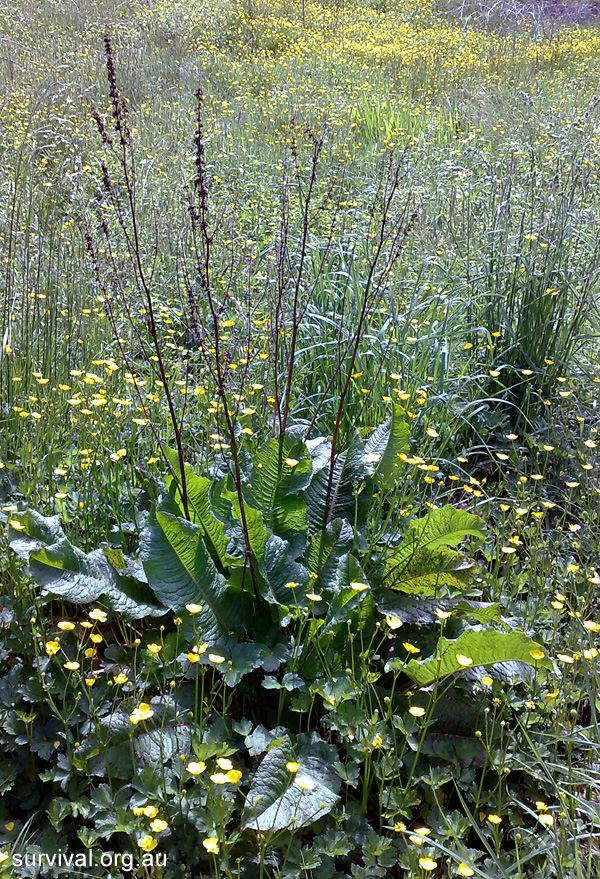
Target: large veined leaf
325	549
279	570
352	590
279	799
65	571
29	531
426	558
257	533
281	470
387	441
181	571
428	569
348	472
154	741
482	646
198	493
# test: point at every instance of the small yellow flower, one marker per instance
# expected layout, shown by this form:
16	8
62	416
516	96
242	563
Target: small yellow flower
465	870
416	711
65	625
291	585
3	857
536	654
377	741
304	783
95	638
90	682
548	820
442	614
193	608
393	622
196	768
399	826
313	596
432	433
193	657
224	763
9	826
157	825
463	660
234	776
154	648
150	811
147	843
216	658
494	819
358	586
211	844
564	657
219	778
99	615
487	681
427	864
52	647
292	767
71	666
120	679
551	696
144	712
291	462
591	626
572	569
410	648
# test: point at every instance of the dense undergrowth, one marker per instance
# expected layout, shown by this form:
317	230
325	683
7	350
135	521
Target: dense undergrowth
298	449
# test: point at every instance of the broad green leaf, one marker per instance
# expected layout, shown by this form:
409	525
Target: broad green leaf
29	531
349	594
447	526
66	571
428	569
198	492
181	571
387	441
483	647
325	549
425	554
281	470
348	474
154	741
279	569
257	533
279	799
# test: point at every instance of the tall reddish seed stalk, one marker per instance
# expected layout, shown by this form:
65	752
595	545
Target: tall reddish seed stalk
301	264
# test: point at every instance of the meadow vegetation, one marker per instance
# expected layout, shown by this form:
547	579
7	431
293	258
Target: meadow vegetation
299	439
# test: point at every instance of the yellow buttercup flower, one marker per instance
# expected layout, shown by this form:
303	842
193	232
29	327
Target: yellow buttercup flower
416	711
211	844
463	660
304	783
147	843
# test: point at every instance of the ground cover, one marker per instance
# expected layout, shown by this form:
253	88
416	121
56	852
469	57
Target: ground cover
298	446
